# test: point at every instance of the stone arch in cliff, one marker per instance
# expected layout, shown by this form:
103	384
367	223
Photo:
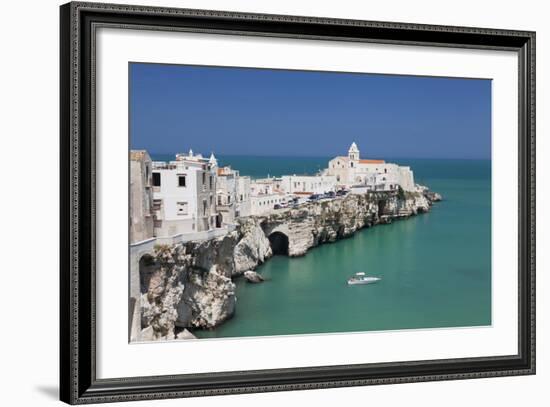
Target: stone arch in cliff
147	267
381	207
279	243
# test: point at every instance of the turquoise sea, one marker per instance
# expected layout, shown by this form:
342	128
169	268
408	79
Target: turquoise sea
435	267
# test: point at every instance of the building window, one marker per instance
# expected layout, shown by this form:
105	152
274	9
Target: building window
351	165
219	199
204	207
156	179
182	208
204	178
211	201
181	181
211	182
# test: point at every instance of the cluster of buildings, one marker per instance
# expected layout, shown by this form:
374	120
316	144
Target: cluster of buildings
192	194
372	175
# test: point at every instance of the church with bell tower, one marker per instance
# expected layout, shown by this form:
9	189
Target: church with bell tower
372	174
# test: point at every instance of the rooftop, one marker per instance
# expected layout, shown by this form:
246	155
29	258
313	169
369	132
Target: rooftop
189	157
371	161
226	171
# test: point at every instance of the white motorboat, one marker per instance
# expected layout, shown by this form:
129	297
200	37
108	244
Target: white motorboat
361	278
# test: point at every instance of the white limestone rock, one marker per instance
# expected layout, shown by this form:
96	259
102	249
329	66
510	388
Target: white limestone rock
253	277
164	292
185	335
147	334
216	253
209	298
253	248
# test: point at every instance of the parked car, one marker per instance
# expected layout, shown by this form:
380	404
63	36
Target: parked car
314	197
277	206
341	192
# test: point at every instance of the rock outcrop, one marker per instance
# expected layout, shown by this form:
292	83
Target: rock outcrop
319	222
253	247
253	277
163	294
326	221
185	335
190	284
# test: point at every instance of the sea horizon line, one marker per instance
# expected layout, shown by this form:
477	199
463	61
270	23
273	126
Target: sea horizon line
380	156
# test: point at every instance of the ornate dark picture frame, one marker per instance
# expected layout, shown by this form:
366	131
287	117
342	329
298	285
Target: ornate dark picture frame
78	380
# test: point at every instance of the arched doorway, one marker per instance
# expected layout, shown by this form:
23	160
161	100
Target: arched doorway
219	220
147	267
279	243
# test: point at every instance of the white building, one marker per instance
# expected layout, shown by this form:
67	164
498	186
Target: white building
184	193
308	184
232	194
265	193
264	203
378	175
244	207
226	192
269	185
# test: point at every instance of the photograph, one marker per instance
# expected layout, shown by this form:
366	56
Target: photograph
268	202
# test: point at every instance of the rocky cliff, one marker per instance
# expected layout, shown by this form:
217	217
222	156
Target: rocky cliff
190	284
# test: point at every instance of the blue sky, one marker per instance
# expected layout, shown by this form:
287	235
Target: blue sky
240	111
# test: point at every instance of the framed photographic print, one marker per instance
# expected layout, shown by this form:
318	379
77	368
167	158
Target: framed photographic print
257	203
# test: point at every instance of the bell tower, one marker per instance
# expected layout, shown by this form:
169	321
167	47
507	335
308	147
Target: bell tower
353	152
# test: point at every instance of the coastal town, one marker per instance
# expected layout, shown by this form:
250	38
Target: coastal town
192	198
195	226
